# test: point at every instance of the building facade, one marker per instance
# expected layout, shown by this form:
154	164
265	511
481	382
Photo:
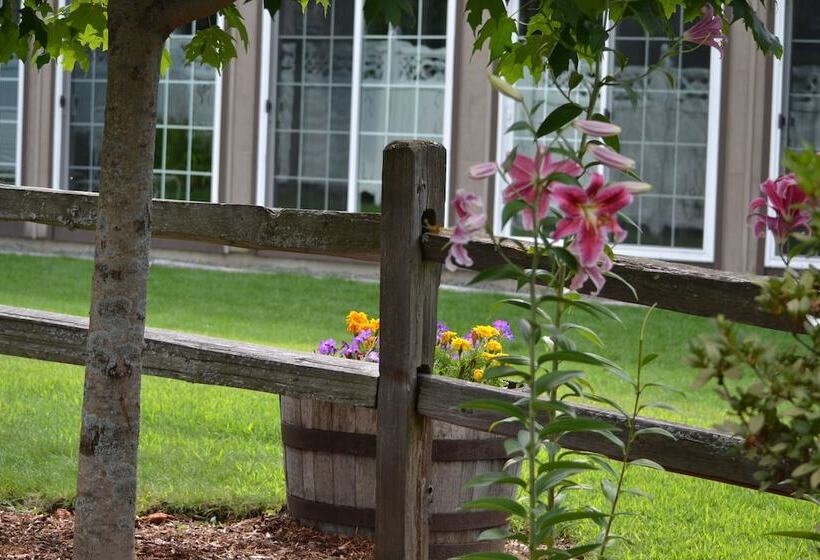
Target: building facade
301	118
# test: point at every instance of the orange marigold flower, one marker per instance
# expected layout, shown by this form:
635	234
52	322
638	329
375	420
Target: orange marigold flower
357	321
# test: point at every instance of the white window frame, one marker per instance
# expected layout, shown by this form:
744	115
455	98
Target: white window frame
771	259
61	124
706	254
265	143
18	149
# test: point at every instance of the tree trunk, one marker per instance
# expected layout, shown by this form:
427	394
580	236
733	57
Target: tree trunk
107	476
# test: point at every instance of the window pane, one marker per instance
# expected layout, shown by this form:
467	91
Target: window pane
666	134
410	67
185	124
802	77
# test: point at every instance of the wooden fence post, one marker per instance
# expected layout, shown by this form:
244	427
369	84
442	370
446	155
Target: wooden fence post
413	190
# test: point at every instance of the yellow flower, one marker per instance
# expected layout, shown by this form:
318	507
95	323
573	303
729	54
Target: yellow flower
478	374
494	346
461	345
447	337
485	331
488	356
374	325
357	321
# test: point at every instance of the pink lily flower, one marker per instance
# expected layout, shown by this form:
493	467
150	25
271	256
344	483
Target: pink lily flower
787	201
595	273
482	170
470	219
529	181
610	157
597	128
707	31
591	215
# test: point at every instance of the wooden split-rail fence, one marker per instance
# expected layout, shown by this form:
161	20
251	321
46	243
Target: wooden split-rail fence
405	396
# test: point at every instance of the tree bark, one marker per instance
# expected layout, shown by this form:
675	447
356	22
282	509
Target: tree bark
107	475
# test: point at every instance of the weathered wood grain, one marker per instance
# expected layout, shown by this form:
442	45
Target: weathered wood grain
697	452
676	287
413	189
198	359
342	234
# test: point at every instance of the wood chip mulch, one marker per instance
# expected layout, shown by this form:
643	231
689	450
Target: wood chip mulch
25	536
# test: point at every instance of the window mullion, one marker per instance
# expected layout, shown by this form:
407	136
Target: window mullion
355	106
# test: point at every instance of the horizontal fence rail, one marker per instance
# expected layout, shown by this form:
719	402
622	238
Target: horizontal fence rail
694	451
341	234
676	287
198	359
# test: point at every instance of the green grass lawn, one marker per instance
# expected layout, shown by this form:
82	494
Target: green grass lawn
210	450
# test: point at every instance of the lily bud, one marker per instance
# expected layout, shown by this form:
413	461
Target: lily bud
505	88
633	187
482	170
597	128
610	158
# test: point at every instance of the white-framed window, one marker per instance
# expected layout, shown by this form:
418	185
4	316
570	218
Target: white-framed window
12	83
336	90
795	95
673	134
186	159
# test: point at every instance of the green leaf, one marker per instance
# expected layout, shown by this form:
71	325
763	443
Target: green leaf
609	490
30	23
519	126
658	406
272	6
387	11
166	62
765	39
555	379
558	118
648	359
500	272
607	401
488	556
656	432
564	425
490	478
496	533
553	406
497	503
577	551
511	209
553	518
212	46
647	463
234	20
584	331
807	535
494	405
553	478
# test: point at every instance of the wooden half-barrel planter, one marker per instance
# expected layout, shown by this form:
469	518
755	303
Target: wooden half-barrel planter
330	467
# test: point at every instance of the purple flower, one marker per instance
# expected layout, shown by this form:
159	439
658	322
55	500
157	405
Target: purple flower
372	356
504	328
440	328
349	351
327	347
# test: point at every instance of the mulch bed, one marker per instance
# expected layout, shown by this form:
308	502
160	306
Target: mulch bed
27	536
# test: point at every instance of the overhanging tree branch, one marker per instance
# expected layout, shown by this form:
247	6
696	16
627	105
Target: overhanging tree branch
180	12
